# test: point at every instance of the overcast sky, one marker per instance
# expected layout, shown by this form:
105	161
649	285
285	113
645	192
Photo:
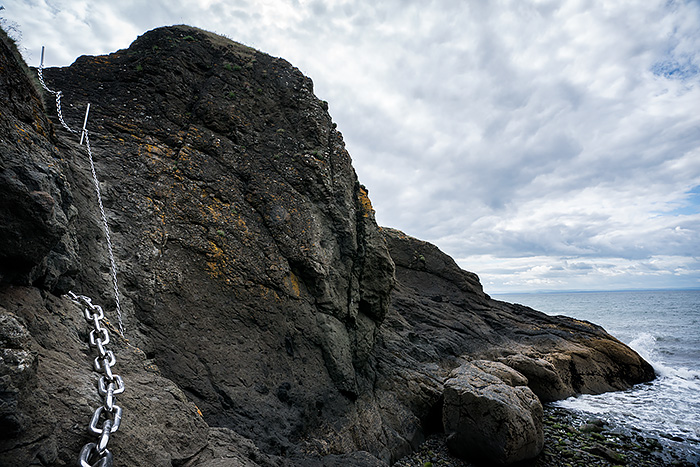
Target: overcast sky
545	145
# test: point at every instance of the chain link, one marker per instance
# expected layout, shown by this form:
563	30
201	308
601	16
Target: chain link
58	95
108	417
105	226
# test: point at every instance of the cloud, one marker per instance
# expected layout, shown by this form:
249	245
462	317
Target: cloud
545	144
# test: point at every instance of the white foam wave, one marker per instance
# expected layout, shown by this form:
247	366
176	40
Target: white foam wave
645	345
667	405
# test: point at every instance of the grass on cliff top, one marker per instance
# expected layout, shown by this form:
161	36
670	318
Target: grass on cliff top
218	40
14	50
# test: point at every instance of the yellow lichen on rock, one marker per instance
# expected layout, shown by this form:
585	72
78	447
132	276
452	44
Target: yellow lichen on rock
365	203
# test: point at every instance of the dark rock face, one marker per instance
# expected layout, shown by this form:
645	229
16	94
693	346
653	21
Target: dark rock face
49	393
440	317
252	262
35	202
256	285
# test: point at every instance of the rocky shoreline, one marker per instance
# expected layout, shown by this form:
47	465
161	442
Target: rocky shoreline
571	440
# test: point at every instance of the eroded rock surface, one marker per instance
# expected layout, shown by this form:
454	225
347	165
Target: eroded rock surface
35	200
251	265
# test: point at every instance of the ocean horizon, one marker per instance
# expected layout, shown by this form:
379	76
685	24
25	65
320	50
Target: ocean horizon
552	291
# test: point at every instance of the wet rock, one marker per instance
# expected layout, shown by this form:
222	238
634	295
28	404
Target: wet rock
607	453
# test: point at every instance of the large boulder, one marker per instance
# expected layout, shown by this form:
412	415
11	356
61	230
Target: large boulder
543	378
251	266
491	417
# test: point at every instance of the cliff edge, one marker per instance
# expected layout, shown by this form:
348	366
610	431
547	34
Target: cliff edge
269	320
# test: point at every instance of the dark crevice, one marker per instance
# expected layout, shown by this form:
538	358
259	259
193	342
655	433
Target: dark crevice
432	421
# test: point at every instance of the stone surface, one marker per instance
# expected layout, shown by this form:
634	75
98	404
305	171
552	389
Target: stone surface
487	419
35	199
251	266
444	320
542	376
502	371
256	287
54	390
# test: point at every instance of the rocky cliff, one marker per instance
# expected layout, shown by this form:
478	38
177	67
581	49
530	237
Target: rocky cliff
268	320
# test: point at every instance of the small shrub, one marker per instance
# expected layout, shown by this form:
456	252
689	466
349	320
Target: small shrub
221	233
139	68
188	38
231	95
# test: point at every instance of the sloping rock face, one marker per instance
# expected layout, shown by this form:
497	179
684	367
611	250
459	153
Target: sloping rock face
256	287
35	202
252	267
444	312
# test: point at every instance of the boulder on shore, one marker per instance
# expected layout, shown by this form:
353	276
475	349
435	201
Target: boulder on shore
489	417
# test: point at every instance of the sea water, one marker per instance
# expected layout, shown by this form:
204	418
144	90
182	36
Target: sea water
664	328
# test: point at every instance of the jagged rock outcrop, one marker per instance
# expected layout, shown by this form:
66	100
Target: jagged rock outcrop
269	320
247	243
440	317
38	245
445	315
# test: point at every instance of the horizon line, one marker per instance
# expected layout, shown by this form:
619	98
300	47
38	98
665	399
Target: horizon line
545	291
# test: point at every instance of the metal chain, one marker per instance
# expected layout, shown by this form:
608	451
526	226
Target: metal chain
105	225
107	417
58	94
113	265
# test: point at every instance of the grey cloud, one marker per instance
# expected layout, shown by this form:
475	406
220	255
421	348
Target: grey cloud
564	134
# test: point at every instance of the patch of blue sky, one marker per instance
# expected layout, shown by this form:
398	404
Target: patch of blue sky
689	205
672	68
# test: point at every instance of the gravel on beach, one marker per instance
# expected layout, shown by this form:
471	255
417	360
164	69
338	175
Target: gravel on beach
575	440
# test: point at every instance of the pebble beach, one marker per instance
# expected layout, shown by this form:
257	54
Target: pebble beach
574	440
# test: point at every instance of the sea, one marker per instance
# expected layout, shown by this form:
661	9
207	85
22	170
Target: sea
663	326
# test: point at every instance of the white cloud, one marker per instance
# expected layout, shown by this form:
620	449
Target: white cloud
548	144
